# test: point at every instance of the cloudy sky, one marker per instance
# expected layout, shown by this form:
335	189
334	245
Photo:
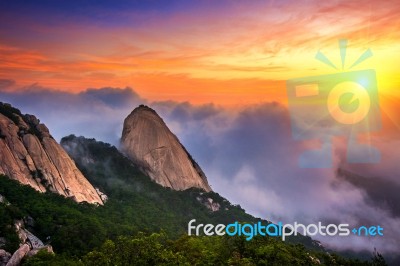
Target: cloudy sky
216	73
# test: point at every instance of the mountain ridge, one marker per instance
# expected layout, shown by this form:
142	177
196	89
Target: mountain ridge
136	203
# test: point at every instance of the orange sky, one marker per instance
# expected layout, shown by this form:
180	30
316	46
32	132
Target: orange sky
232	54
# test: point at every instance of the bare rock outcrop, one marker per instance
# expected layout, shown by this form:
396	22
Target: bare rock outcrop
4	257
147	141
30	155
30	245
19	255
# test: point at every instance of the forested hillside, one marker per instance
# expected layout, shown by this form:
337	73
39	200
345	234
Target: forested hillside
141	223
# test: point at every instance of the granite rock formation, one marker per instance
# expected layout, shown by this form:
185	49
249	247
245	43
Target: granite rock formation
30	155
148	142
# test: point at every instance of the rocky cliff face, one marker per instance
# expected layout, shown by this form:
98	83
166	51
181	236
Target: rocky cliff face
29	154
147	140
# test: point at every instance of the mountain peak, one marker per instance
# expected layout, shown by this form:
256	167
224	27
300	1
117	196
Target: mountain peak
143	107
30	155
148	141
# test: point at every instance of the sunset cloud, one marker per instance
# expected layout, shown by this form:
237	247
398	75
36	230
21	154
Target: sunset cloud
265	41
